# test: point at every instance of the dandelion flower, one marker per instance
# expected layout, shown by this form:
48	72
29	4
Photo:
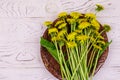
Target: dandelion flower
97	47
100	37
96	32
62	25
62	14
101	42
75	15
92	39
82	37
81	20
71	44
54	38
95	24
59	22
48	24
52	30
84	25
78	31
71	36
90	16
71	21
62	33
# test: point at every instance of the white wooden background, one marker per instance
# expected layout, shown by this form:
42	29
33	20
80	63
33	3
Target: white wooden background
21	25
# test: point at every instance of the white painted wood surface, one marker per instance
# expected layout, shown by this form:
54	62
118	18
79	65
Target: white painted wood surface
21	25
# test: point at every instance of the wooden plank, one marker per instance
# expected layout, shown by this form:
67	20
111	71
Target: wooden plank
19	43
111	73
28	8
45	8
25	74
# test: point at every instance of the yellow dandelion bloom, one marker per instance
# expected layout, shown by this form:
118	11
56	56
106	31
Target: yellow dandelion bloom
101	42
54	38
90	16
82	41
71	36
100	37
95	24
62	14
82	37
71	44
59	22
62	25
92	39
71	21
81	20
97	47
62	33
78	31
47	23
52	30
84	25
75	15
96	32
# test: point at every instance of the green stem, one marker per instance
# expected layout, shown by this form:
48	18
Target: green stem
79	65
60	60
75	55
65	65
91	61
97	57
69	60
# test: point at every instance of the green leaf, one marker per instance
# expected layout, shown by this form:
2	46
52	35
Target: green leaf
104	48
50	47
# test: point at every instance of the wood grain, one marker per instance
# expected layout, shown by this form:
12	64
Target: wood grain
21	25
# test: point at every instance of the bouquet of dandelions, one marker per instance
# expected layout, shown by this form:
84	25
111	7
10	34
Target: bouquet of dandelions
76	35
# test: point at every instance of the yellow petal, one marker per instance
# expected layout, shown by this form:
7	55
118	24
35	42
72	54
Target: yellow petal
52	30
54	38
62	14
47	23
62	25
71	36
62	33
101	42
81	20
75	15
95	24
97	47
90	16
84	25
71	44
78	31
82	37
92	39
70	21
59	22
100	37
